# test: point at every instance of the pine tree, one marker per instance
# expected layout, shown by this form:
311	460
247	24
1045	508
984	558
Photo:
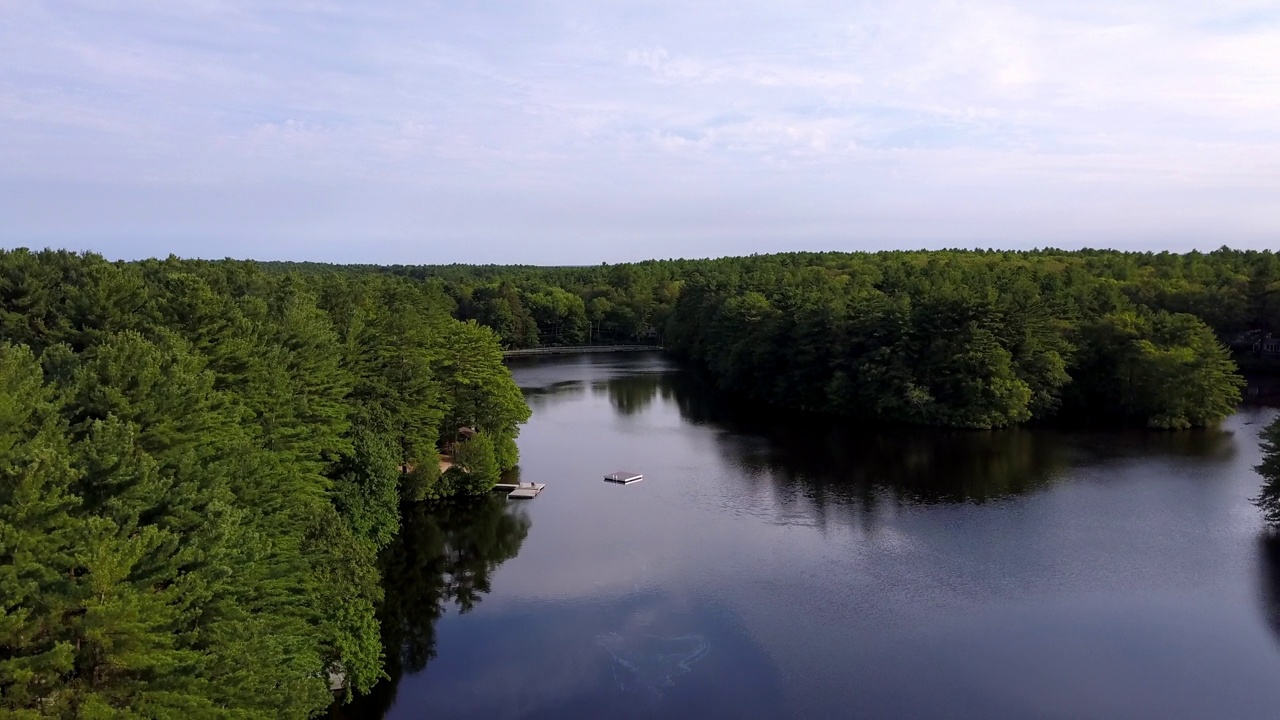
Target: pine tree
478	390
196	475
38	538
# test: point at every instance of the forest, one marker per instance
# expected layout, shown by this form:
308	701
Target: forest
199	465
205	464
966	339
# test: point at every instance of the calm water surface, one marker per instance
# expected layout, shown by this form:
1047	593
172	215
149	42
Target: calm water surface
771	567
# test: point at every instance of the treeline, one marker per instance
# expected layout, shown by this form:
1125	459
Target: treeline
1237	293
534	307
968	340
951	338
199	463
548	306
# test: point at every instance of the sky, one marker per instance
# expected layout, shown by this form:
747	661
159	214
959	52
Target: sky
588	131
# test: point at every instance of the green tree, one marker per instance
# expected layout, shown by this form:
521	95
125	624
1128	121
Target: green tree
1164	370
38	540
477	459
478	390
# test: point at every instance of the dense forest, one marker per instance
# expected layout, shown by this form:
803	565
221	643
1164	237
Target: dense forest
965	339
199	464
203	463
957	339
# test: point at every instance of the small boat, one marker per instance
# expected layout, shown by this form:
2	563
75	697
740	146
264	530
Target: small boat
623	477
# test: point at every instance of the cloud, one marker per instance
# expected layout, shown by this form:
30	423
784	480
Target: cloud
577	132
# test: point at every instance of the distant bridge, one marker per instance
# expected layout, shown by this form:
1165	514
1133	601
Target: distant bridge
577	349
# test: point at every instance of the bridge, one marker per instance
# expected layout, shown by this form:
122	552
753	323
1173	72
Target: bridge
578	349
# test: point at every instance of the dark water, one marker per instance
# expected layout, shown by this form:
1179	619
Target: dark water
770	567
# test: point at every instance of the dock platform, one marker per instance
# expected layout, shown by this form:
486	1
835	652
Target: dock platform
522	491
623	477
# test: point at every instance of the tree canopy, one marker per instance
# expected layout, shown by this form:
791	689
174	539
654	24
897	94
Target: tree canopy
967	339
199	463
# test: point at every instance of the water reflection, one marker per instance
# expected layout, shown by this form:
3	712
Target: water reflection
633	394
650	663
556	389
646	655
1269	580
1033	572
445	554
856	463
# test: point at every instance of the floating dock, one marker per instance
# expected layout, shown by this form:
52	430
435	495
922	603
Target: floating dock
623	477
523	491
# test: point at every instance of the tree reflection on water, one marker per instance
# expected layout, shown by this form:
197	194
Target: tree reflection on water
445	553
829	460
1269	579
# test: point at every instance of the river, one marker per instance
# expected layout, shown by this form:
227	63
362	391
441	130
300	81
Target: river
773	567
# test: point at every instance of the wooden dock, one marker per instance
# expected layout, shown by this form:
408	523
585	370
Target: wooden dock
623	477
522	491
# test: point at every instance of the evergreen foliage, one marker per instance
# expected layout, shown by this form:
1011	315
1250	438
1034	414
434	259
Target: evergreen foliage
966	340
949	338
199	463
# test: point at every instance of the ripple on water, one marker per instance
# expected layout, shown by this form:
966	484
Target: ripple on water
647	663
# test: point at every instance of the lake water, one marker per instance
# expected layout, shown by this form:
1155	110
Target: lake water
771	567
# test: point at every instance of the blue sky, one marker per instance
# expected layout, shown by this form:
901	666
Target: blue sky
582	132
